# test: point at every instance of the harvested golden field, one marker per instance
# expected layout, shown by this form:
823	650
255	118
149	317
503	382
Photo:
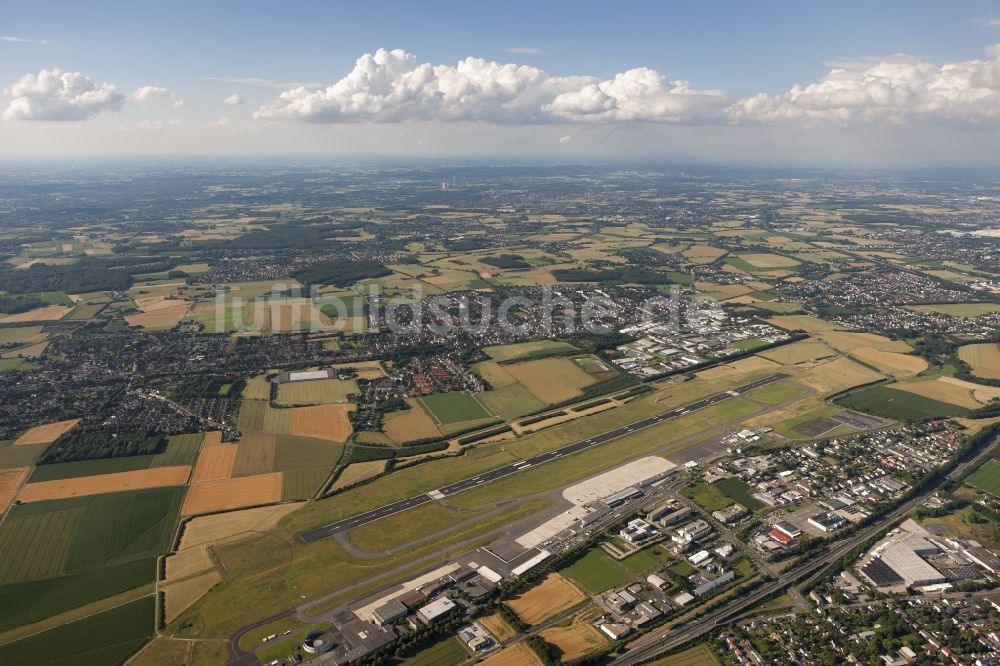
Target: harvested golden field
703	254
19	335
155	477
838	375
411	424
322	421
768	260
936	389
737	369
32	351
495	374
358	472
798	352
217	528
154	303
575	640
552	380
254	454
315	392
10	481
215	460
160	318
180	596
984	359
188	562
43	313
722	290
846	341
893	363
518	654
807	323
499	627
550	597
45	434
980	392
226	494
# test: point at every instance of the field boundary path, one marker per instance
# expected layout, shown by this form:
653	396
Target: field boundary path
513	468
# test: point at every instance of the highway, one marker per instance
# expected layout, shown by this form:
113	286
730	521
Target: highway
527	463
660	641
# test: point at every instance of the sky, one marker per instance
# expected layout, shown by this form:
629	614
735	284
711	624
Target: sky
798	83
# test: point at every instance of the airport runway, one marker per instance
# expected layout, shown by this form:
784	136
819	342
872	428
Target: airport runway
514	468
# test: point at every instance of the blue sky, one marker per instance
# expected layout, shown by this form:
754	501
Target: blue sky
192	54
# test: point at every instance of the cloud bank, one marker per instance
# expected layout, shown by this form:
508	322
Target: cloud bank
393	86
53	94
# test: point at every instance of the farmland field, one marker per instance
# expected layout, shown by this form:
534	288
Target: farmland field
454	407
215	461
528	349
984	359
254	455
951	390
226	494
315	392
768	261
296	452
303	483
798	352
322	421
889	362
45	434
105	483
445	652
105	638
895	404
511	401
576	639
552	380
987	478
545	599
10	481
409	425
518	654
258	415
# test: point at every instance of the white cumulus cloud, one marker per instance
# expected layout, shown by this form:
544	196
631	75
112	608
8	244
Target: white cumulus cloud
233	100
57	95
393	86
893	90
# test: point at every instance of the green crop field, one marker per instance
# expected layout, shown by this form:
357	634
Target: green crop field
122	526
738	491
987	478
105	638
33	600
597	572
511	401
454	407
298	452
304	483
902	405
61	554
259	416
528	349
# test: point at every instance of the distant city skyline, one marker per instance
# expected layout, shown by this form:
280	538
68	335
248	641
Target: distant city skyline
899	83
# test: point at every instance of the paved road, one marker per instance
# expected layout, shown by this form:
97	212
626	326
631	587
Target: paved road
514	468
656	643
